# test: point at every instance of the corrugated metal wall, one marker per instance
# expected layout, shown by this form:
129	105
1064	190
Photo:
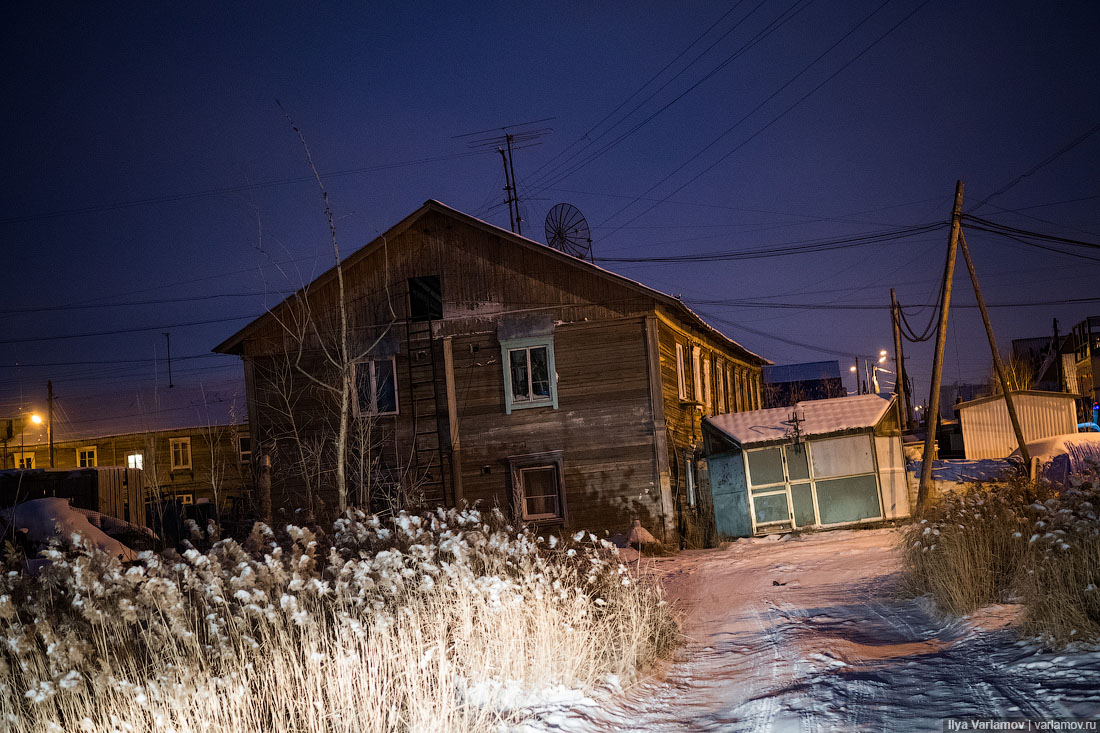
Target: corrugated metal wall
987	431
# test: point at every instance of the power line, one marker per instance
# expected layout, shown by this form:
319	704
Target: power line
782	114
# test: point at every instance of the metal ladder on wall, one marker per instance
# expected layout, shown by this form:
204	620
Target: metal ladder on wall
428	478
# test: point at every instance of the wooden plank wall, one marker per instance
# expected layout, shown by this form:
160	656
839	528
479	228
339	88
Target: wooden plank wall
683	418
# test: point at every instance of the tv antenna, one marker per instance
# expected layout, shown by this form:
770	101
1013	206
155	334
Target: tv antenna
568	232
506	144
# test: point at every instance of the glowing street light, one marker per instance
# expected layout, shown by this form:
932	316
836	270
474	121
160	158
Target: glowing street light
36	419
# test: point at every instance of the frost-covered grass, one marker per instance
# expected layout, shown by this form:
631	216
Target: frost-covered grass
998	541
443	622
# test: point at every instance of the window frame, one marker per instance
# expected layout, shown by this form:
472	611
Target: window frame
697	373
372	380
526	344
81	461
517	465
172	443
140	456
708	384
22	458
681	375
245	455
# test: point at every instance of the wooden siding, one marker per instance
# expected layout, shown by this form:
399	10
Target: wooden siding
606	424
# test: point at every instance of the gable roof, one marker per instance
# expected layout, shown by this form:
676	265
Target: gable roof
820	417
232	344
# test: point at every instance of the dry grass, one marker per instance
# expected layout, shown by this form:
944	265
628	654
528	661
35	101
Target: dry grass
970	546
446	622
1061	588
1016	539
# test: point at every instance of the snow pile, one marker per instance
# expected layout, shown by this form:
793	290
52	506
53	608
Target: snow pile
1063	458
44	520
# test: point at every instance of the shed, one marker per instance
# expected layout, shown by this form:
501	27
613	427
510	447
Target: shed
987	431
821	463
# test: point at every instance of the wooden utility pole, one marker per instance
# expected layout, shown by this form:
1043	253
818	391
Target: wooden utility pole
997	363
932	416
899	362
508	189
49	417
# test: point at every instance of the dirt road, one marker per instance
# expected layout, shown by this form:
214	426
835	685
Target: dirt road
813	634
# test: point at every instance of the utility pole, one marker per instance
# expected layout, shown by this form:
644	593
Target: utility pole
515	190
997	363
899	361
1057	346
508	189
932	415
168	338
49	417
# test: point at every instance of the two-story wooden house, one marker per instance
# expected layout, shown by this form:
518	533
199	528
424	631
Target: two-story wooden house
495	369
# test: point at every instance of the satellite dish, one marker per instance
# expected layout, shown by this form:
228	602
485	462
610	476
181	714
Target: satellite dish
567	231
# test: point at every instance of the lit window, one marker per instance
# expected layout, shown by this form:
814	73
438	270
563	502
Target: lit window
681	377
24	460
376	382
181	453
135	460
185	499
529	375
244	447
537	485
86	456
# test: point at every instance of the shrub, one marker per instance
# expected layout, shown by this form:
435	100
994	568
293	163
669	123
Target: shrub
451	621
969	548
1061	588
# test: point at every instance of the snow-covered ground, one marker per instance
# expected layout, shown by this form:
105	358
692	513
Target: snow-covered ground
834	647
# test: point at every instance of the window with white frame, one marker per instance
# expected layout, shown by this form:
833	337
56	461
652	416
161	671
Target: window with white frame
681	377
537	486
135	460
181	453
689	474
24	460
708	392
86	456
376	384
244	447
731	397
720	388
697	372
530	379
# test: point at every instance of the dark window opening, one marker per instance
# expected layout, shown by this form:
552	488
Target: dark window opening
425	298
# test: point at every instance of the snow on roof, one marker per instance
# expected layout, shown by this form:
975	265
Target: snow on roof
819	417
52	518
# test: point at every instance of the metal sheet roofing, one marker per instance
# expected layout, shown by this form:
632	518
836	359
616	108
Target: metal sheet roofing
819	417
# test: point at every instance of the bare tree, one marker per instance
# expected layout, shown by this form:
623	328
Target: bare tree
1019	373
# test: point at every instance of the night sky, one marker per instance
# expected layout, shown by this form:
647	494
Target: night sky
152	184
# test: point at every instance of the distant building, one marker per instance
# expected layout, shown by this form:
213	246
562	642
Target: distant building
185	465
788	384
1082	368
1044	361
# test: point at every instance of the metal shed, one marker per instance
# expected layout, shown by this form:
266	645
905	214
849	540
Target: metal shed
987	431
823	463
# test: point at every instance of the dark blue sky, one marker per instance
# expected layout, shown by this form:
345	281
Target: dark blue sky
145	160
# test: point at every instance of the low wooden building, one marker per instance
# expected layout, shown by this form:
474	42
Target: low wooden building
820	463
185	465
492	369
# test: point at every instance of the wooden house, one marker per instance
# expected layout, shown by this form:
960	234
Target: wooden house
493	369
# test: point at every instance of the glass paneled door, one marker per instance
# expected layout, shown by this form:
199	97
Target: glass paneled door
769	495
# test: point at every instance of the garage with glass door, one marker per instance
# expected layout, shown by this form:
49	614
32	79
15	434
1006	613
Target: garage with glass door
821	463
